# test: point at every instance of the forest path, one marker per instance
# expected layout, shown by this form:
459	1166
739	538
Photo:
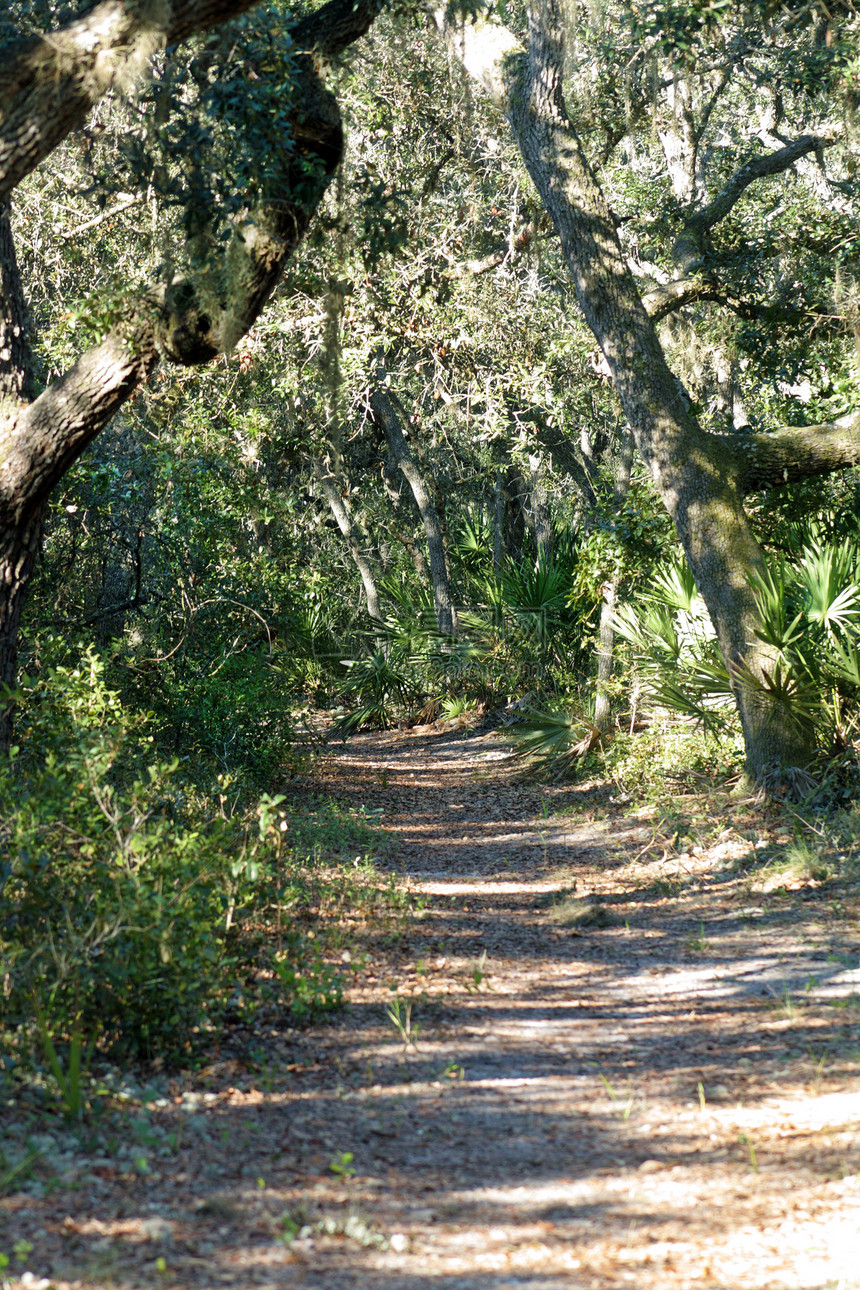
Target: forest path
630	1067
629	1064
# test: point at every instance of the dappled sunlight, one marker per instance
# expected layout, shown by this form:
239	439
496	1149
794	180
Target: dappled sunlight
576	1065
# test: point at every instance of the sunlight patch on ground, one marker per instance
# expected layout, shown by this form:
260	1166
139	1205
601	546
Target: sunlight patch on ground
482	886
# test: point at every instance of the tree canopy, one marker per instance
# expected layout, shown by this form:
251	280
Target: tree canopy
457	259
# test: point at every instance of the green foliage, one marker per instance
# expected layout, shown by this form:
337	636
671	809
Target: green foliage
69	1081
108	901
134	917
555	741
810	620
378	686
675	649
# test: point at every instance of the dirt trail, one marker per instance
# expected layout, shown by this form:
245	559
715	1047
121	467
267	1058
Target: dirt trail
615	1064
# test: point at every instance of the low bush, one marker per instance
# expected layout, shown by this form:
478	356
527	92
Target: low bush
136	910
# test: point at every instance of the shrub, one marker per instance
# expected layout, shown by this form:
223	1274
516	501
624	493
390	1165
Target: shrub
133	912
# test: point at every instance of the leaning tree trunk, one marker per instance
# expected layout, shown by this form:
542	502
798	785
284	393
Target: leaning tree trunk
699	478
392	486
329	488
47	86
384	410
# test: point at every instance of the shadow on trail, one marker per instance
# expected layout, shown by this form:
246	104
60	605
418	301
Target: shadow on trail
487	1158
576	1125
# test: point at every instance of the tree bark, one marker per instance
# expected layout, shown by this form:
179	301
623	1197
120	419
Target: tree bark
540	516
47	85
697	476
384	411
392	486
329	486
606	629
19	547
19	541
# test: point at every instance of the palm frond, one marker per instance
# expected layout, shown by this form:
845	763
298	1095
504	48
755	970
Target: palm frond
555	740
675	587
828	574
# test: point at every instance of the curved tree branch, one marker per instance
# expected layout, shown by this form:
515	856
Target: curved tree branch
678	293
691	244
774	163
190	321
49	83
40	441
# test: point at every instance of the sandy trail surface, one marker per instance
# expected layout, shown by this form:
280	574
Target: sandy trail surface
597	1058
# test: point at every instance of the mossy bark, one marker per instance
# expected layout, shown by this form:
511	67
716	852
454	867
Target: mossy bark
47	84
701	478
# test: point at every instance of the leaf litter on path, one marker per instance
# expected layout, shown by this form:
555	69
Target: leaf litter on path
594	1059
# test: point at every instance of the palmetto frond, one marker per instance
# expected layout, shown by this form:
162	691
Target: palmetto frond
534	588
675	587
828	575
774	590
785	689
555	740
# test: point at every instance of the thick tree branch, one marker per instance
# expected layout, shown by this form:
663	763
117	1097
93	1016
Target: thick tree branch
774	163
190	321
40	442
693	240
335	27
669	297
49	83
802	452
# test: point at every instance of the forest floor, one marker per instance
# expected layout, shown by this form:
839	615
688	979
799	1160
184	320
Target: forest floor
615	1047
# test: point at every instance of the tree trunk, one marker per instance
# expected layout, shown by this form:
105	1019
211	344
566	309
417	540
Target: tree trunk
47	86
383	409
393	484
339	509
516	495
541	523
697	475
498	522
18	550
19	541
606	630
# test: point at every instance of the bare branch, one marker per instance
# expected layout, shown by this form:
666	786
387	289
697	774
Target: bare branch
121	206
707	111
483	264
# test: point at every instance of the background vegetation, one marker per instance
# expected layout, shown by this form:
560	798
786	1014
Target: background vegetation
418	426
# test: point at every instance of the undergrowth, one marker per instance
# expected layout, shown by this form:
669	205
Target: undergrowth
142	909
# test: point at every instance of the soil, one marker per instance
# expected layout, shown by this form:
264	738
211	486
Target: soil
610	1050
